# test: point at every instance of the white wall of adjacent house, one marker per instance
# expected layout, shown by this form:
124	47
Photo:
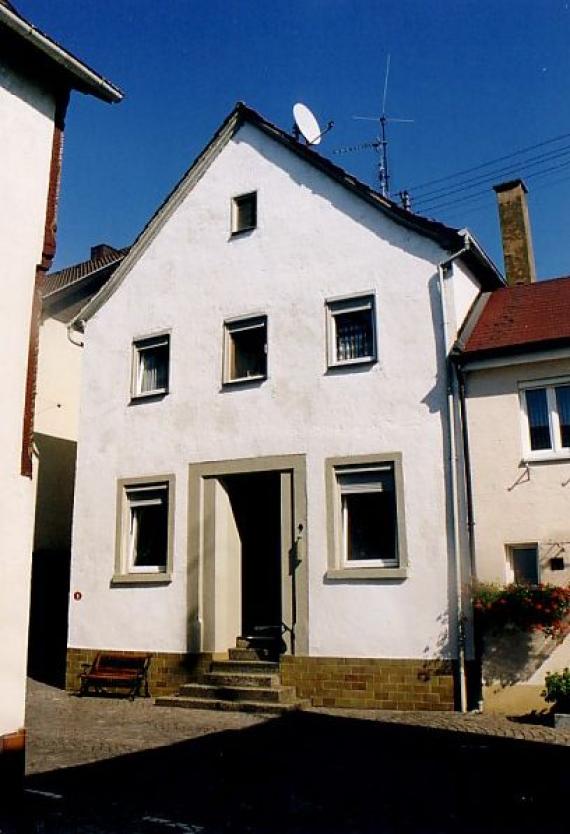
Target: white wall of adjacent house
314	240
57	397
26	115
519	499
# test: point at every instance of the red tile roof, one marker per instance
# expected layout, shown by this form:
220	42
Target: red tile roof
65	278
528	316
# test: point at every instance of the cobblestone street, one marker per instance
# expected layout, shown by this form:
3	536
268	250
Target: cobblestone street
105	766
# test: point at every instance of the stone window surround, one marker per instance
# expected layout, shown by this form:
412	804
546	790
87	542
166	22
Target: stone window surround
336	569
557	452
122	576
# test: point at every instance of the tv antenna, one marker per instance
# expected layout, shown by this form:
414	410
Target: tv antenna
380	144
307	126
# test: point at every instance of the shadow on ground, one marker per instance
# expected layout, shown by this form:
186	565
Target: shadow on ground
308	773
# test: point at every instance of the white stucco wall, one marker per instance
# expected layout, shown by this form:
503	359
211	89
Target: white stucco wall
513	504
26	116
314	241
59	379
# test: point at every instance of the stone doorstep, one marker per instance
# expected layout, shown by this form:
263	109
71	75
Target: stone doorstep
264	667
276	695
240	679
252	654
236	706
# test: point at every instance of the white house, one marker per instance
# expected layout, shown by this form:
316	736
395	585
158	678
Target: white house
36	77
264	437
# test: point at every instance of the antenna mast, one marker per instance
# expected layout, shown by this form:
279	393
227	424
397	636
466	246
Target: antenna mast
381	143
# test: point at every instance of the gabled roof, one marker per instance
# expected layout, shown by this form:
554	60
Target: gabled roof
523	318
77	75
450	239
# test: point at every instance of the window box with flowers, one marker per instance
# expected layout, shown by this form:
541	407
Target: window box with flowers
523	607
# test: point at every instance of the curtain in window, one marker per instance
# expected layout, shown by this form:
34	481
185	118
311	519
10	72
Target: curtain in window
563	406
538	419
154	369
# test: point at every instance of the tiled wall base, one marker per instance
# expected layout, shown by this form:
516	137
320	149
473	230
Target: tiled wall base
361	683
371	683
12	762
167	671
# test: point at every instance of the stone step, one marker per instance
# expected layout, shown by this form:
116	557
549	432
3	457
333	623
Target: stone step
254	654
248	667
276	695
238	678
258	642
235	706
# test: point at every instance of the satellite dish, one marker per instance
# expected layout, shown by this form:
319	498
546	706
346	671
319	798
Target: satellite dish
307	124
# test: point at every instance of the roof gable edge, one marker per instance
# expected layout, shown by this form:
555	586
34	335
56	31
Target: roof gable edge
164	212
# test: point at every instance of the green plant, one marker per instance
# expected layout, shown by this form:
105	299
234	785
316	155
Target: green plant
526	607
557	689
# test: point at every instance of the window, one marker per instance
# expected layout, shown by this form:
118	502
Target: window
151	360
351	330
366	515
245	349
546	410
522	564
244	213
144	530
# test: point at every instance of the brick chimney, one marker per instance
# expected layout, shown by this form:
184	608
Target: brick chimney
515	230
101	250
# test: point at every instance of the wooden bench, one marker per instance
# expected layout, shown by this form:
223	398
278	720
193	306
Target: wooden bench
110	670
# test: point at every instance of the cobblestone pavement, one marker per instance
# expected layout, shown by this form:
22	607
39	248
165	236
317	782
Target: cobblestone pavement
104	766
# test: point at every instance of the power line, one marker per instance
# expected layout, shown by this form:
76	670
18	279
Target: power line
474	181
423	185
438	205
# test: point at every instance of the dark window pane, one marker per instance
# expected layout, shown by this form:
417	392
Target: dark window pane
525	565
539	426
354	335
563	406
246	212
371	525
249	357
150	528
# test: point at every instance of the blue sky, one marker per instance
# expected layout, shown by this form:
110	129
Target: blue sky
481	80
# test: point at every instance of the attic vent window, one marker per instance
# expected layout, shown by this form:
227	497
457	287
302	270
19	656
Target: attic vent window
244	213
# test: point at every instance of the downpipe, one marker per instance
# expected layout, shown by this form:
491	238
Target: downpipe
452	408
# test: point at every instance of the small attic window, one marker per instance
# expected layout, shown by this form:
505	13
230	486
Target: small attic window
244	213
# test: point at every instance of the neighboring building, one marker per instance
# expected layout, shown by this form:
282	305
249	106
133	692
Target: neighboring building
36	77
64	293
265	438
515	357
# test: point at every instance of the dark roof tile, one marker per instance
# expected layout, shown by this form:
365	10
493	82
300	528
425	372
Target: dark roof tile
526	316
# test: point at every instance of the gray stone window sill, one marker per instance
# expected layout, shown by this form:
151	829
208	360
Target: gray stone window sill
141	579
367	573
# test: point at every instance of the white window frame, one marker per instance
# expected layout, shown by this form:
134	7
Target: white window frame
235	212
340	567
239	325
557	451
354	303
140	345
510	553
132	493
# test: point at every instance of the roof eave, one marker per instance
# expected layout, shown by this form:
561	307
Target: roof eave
81	77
